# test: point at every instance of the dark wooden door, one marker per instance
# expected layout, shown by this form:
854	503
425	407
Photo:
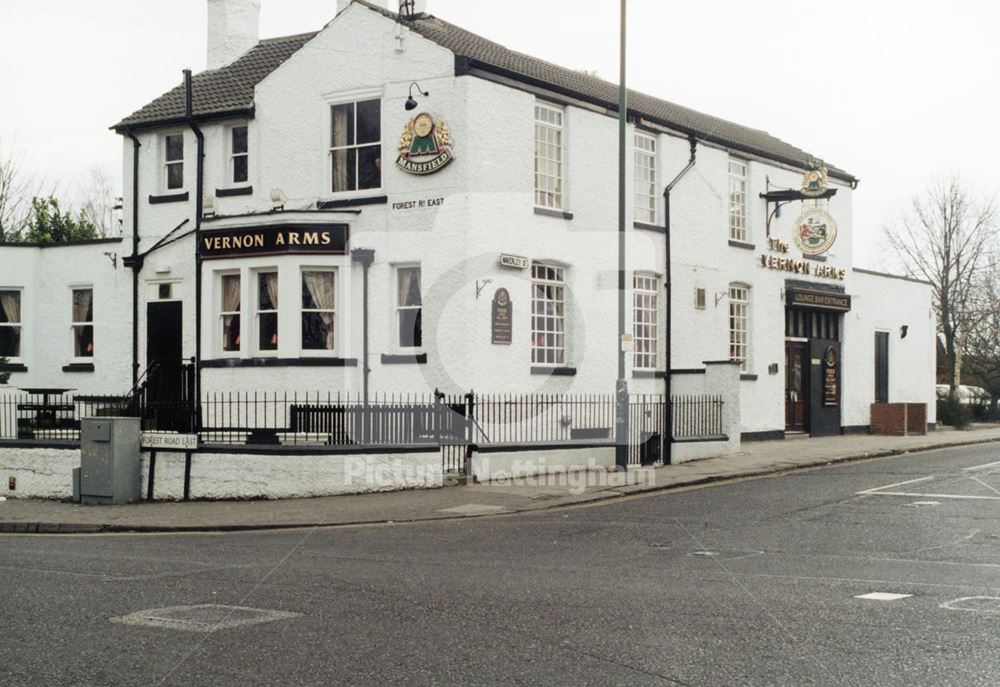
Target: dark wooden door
796	387
164	351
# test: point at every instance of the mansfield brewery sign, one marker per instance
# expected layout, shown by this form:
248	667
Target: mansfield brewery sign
425	146
274	240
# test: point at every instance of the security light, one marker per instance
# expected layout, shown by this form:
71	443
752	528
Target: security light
278	199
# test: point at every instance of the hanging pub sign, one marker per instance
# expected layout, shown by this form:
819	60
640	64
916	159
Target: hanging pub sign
503	318
425	146
815	231
303	239
831	392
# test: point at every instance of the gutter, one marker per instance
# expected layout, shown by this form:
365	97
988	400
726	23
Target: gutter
668	411
135	260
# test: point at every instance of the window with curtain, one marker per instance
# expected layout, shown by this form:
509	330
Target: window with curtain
173	161
548	156
267	311
318	310
645	320
645	179
10	324
239	154
739	318
356	145
548	315
230	312
83	323
409	306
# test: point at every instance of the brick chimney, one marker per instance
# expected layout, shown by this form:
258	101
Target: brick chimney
233	28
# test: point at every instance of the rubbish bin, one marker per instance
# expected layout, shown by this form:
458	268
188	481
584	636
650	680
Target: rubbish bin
109	460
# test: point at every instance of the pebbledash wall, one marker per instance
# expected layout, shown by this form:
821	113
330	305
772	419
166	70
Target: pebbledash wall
455	224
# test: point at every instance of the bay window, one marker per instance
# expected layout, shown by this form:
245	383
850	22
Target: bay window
267	311
318	310
230	312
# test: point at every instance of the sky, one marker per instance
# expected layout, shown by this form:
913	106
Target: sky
895	92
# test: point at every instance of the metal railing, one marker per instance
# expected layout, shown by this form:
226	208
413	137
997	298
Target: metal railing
52	416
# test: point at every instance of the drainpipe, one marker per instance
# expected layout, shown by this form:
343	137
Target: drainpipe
198	202
136	261
364	257
668	411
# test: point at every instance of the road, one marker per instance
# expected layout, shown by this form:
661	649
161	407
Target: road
745	583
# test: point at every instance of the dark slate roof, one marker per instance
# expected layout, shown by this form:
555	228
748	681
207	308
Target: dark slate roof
216	92
231	87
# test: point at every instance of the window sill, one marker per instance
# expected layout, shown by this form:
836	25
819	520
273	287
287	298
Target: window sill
551	212
554	371
13	367
78	367
168	198
748	377
404	359
279	362
649	374
351	202
742	244
649	227
234	191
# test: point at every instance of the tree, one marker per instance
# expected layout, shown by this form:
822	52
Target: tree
16	191
99	203
49	224
981	345
946	238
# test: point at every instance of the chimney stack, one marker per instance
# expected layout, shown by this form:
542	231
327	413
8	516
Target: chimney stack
233	28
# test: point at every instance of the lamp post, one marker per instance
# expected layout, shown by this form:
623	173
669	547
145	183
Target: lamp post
621	388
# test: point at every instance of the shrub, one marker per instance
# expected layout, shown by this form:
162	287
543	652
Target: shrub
951	412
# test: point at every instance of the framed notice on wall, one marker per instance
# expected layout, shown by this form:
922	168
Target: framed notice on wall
831	388
503	316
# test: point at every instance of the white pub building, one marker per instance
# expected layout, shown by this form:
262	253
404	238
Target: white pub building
395	204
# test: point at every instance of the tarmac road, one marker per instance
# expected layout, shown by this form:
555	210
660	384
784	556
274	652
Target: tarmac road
744	583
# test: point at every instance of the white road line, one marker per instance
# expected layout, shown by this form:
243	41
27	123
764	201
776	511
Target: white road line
882	596
982	467
936	496
976	479
897	484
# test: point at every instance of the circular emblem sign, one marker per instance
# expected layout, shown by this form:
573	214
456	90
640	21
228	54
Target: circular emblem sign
815	231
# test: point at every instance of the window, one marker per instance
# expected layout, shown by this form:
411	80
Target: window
739	314
548	315
355	145
83	323
881	367
318	305
10	324
645	179
548	156
737	200
267	311
173	160
239	155
409	307
230	312
644	320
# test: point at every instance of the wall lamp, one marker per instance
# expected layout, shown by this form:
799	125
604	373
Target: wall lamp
278	199
410	102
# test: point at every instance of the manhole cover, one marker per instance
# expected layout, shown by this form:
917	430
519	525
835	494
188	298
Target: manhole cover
202	618
975	604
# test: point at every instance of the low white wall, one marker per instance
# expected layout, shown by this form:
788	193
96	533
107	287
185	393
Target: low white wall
48	474
511	464
704	449
41	473
719	379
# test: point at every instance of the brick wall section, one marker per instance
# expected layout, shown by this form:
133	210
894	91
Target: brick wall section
916	418
888	419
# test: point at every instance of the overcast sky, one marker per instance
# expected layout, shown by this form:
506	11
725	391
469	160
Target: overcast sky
893	91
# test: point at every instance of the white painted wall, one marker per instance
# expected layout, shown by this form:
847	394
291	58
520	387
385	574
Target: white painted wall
503	465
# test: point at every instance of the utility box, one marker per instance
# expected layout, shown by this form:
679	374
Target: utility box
109	460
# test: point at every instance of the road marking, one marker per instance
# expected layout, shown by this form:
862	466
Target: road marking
204	618
897	484
974	604
934	496
882	596
976	479
981	467
925	503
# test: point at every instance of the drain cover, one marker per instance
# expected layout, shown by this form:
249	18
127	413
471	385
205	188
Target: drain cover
203	618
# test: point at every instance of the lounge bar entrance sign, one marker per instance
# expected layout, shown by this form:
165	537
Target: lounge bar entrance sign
503	318
302	239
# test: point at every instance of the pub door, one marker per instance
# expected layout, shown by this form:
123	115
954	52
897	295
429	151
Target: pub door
167	387
796	387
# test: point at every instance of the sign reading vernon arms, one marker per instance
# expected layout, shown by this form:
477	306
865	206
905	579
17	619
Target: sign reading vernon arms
273	240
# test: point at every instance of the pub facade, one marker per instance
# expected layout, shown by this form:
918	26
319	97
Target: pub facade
395	205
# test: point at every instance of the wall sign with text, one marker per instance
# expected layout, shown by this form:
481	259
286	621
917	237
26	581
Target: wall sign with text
303	239
425	146
503	318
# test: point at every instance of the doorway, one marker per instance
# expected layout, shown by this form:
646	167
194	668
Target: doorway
796	387
164	350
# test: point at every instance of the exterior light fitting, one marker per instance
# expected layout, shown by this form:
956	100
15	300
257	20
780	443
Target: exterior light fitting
278	199
410	102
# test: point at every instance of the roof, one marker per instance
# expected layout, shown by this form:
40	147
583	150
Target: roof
231	87
223	91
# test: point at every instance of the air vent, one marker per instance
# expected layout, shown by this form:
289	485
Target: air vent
699	299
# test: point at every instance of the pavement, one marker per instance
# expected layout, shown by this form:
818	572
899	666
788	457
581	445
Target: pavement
465	500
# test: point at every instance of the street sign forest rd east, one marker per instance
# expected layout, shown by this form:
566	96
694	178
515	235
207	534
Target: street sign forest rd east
168	441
